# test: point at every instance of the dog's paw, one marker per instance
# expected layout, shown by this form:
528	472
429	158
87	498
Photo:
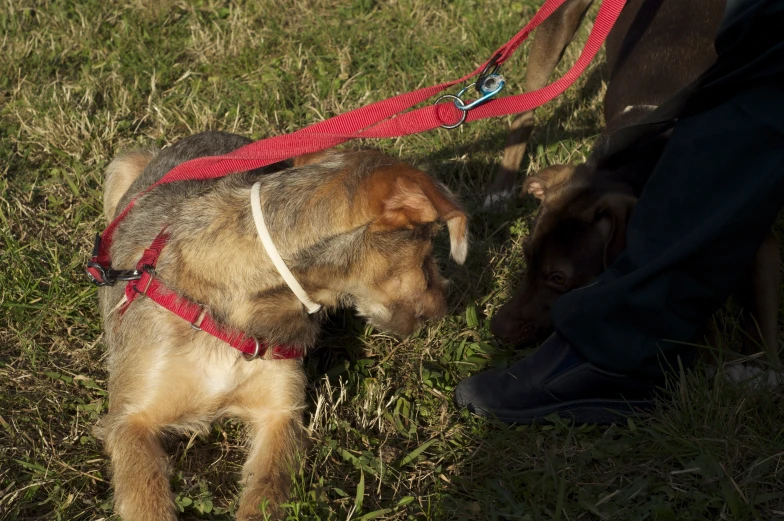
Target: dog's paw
751	375
261	513
497	199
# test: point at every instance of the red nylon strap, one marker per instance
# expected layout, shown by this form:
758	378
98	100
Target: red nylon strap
200	319
377	119
150	256
94	273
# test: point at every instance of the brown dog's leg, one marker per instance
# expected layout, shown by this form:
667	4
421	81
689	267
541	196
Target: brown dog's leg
271	405
151	392
549	43
140	471
266	474
762	322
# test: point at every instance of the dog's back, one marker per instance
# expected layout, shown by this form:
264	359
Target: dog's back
198	145
131	172
656	48
121	173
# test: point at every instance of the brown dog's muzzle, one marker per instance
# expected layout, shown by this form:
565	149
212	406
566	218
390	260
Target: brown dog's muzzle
524	320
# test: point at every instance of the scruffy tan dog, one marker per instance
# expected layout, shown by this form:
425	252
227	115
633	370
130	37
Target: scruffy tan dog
355	228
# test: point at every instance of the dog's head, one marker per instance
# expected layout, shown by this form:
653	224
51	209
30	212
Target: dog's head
369	224
579	231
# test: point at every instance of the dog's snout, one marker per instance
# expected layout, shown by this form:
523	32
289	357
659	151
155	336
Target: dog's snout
512	329
517	324
499	327
432	304
527	331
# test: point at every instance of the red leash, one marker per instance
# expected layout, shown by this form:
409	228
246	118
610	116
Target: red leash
383	119
376	120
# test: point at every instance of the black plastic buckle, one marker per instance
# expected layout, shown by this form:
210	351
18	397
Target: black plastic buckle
96	245
107	276
101	279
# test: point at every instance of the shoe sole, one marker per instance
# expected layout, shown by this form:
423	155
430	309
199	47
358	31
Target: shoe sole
601	412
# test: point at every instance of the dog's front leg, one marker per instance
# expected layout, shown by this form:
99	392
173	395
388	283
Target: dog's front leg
140	469
549	43
274	439
270	403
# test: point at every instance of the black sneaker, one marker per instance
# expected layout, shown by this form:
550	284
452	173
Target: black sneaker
555	379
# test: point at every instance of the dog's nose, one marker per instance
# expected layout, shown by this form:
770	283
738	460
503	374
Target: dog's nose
432	305
503	327
512	331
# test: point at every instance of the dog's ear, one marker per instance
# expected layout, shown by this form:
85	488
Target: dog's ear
611	214
409	198
546	179
309	159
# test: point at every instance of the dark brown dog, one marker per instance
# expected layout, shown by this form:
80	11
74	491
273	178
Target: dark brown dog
656	48
643	57
354	227
549	42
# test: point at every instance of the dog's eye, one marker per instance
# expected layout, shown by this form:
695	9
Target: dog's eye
557	278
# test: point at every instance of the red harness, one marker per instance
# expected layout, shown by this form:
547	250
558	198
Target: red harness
383	119
149	285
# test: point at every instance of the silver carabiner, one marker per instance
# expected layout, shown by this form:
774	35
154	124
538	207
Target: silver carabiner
488	86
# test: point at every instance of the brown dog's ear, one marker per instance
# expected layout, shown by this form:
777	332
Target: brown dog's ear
546	180
612	213
412	198
309	159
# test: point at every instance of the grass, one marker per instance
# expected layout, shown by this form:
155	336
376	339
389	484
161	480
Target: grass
82	80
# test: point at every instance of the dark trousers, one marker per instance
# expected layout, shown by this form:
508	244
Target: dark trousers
706	209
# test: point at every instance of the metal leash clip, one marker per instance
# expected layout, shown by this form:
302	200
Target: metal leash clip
487	85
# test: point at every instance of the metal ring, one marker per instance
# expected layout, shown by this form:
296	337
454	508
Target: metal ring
149	282
196	324
456	102
490	85
250	357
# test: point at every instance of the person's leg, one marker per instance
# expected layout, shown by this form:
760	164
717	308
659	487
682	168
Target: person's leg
708	205
698	223
706	208
704	211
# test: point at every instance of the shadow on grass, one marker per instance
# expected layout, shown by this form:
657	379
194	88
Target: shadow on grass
696	457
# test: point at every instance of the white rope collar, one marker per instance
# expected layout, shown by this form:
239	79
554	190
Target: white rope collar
272	251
